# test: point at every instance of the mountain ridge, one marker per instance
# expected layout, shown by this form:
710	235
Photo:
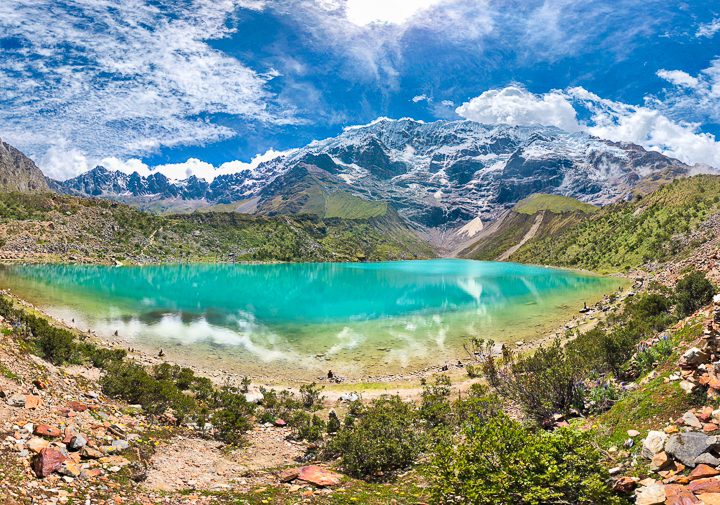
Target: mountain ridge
438	175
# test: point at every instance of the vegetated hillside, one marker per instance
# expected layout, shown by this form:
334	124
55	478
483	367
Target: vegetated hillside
548	215
55	227
668	223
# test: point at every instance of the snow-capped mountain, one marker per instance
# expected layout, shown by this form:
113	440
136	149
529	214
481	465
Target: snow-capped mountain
435	174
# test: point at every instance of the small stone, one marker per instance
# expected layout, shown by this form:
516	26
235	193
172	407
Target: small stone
77	443
70	468
653	443
710	427
690	419
633	433
120	445
16	401
687	386
289	475
280	423
90	453
660	461
32	402
703	471
625	484
37	444
707	459
45	430
653	494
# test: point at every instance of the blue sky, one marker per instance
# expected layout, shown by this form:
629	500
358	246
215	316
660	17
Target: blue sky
139	83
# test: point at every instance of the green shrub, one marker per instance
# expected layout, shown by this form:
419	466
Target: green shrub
542	384
692	292
307	426
435	408
232	419
497	461
310	396
383	439
133	384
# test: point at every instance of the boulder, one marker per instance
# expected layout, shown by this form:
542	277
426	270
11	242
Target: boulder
16	400
653	443
319	476
694	357
686	447
654	494
49	460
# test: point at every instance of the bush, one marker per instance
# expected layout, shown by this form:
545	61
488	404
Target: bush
692	292
310	396
380	441
133	384
232	419
307	426
542	384
435	408
497	461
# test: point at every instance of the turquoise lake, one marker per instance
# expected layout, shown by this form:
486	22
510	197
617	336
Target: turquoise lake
278	320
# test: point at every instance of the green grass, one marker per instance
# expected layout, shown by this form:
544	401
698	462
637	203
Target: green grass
657	227
553	203
347	206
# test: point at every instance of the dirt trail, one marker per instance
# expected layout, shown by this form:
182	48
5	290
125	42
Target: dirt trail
528	236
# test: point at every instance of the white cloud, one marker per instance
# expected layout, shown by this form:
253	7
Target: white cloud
708	29
365	12
117	78
420	98
516	106
191	167
678	78
610	120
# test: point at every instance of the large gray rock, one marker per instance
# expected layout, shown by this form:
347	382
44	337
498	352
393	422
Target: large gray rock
686	447
653	444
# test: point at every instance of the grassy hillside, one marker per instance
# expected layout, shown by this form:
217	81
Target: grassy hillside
553	203
559	213
59	228
663	225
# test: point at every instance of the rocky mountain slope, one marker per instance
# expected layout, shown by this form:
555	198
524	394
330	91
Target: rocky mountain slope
534	218
18	172
437	175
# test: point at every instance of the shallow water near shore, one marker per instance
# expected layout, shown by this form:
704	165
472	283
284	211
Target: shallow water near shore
299	320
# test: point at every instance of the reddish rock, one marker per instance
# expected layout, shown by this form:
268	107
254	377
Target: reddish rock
702	472
711	485
710	427
49	460
319	476
40	384
32	402
710	498
625	485
289	475
679	495
705	414
45	430
77	406
280	423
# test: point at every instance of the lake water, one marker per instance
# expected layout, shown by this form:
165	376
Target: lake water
287	320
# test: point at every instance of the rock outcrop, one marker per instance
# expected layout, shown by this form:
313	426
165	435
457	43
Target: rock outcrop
18	172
